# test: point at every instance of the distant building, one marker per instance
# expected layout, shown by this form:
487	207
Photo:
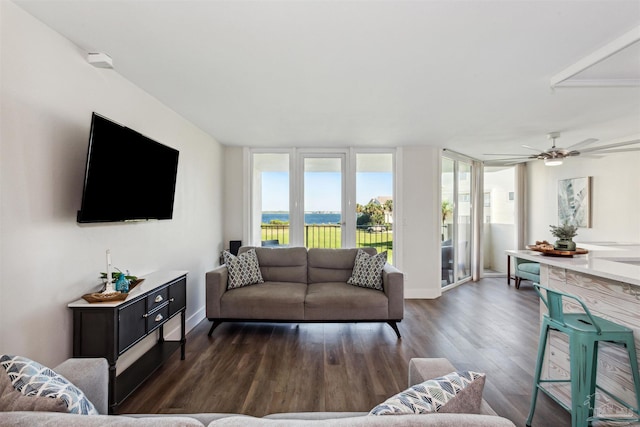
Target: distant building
380	201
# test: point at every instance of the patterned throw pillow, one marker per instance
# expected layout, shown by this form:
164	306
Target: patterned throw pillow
33	380
243	269
459	392
367	270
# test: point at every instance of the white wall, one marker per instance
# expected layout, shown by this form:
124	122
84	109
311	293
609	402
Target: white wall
47	259
233	194
615	199
419	220
497	239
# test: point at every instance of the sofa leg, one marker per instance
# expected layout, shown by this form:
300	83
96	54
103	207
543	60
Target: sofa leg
215	324
394	325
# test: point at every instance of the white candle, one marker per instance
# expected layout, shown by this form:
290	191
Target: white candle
108	287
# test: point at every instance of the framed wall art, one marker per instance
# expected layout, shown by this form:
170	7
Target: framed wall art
574	201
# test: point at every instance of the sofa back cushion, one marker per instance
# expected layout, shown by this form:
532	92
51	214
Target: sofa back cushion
332	265
279	264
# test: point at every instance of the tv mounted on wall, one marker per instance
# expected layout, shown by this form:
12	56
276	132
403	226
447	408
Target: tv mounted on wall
128	177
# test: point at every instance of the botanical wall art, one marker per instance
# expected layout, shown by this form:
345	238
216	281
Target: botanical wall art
574	201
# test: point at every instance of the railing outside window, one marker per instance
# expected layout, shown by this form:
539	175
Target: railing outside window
329	236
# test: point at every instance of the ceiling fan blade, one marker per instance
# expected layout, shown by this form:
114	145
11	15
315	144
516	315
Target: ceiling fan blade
505	154
582	144
605	147
531	148
621	150
504	162
592	156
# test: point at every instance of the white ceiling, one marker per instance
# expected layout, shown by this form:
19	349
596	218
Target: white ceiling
470	76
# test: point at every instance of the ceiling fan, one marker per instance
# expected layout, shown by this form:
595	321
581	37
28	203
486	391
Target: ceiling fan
555	155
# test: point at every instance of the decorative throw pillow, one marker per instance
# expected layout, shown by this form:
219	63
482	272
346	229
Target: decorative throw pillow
457	392
243	269
38	388
367	270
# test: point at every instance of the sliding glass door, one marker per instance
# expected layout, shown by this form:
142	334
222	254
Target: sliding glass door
457	221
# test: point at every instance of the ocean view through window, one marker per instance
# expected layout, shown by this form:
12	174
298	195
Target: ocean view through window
323	203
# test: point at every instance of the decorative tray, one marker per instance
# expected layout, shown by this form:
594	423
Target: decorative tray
116	296
556	252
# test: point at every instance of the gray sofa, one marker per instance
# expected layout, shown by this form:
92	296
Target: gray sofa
305	286
91	376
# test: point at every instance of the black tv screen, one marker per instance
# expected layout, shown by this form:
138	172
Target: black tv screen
128	176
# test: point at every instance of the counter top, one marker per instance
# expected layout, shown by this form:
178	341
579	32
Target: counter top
619	262
151	281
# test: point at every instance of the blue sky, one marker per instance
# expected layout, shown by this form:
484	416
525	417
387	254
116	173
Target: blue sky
322	192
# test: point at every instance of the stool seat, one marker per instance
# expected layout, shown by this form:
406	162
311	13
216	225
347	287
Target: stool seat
580	322
584	331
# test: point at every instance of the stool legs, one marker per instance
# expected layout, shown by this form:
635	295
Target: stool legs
633	361
583	353
544	331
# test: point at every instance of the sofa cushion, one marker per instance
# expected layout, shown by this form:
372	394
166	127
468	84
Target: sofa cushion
243	269
529	267
333	265
53	419
459	392
268	301
31	380
280	264
367	270
340	301
433	420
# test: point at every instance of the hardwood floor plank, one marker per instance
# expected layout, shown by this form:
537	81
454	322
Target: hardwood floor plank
257	369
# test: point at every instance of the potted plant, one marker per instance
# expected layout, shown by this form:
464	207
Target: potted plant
565	234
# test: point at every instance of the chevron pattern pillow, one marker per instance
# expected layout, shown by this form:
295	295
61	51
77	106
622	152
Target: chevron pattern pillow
367	270
33	380
243	269
459	392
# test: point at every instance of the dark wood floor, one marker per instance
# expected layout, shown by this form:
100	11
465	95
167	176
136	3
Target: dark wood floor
257	369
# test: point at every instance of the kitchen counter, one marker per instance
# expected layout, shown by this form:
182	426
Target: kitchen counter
607	279
619	262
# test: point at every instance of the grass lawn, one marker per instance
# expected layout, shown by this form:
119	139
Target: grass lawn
329	236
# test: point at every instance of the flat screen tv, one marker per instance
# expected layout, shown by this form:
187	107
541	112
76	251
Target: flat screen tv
128	176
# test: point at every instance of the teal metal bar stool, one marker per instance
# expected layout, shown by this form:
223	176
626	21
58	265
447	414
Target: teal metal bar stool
585	331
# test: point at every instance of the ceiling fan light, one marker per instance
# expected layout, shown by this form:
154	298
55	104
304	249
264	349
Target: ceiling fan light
552	162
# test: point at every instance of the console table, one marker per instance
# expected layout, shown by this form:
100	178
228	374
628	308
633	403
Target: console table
109	329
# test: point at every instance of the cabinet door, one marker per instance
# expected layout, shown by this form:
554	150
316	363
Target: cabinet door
132	325
177	296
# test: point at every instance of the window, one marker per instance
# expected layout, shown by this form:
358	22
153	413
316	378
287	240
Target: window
270	198
322	198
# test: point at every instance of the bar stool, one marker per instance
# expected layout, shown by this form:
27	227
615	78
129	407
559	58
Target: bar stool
584	332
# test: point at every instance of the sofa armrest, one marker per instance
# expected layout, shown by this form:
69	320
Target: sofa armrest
91	376
215	287
393	286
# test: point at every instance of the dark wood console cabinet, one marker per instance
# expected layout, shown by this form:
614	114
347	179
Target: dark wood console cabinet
109	329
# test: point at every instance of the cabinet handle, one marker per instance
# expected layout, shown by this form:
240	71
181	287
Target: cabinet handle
159	298
159	318
172	300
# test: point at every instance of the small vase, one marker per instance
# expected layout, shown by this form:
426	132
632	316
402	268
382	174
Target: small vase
565	245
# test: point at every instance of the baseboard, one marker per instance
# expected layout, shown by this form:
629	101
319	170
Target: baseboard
422	293
190	323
